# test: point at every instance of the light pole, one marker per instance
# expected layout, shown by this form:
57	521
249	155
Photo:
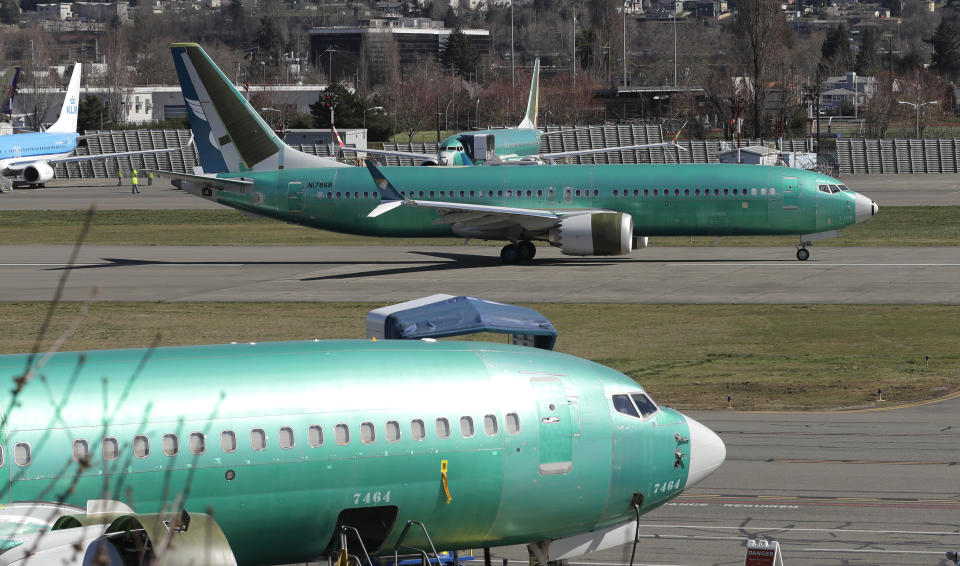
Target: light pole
376	108
446	115
674	47
330	51
917	107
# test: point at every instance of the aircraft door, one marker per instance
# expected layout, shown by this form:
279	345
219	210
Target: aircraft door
555	425
295	197
791	194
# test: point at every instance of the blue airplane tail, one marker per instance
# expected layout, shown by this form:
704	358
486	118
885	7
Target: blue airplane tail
230	135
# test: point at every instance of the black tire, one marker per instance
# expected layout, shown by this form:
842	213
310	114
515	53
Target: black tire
510	253
803	254
527	250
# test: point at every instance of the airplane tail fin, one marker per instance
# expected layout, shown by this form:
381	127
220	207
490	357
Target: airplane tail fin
9	85
230	135
67	122
533	103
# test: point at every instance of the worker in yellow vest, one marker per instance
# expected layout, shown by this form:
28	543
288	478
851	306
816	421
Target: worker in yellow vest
133	183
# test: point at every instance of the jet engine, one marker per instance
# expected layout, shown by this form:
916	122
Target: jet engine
127	539
37	173
594	233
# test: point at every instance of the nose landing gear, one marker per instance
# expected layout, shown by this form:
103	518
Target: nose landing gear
802	253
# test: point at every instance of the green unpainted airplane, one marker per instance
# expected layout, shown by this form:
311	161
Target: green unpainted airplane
582	209
502	146
264	453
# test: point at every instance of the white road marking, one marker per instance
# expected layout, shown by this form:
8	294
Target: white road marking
771	528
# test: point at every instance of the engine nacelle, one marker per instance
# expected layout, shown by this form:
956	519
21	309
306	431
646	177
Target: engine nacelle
594	233
37	173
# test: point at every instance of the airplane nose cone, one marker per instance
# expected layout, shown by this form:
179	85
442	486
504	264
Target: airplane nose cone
707	452
865	208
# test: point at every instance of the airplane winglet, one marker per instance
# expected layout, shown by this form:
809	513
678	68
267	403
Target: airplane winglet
390	197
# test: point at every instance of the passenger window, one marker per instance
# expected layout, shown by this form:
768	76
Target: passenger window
645	404
466	426
753	192
646	192
228	441
773	191
490	425
368	433
170	445
686	192
141	446
623	405
258	439
443	428
22	454
393	431
417	430
198	443
81	450
109	448
285	438
513	423
726	192
342	434
315	436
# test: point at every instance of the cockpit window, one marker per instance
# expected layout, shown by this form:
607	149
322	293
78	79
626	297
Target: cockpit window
645	404
834	189
624	405
824	188
843	187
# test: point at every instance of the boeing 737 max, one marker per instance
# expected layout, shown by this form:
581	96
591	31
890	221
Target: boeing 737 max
259	453
582	209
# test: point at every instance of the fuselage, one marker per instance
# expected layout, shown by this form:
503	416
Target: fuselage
277	440
706	199
509	144
39	145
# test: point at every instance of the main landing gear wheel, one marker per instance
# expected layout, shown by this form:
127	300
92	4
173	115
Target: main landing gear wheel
527	250
510	253
803	254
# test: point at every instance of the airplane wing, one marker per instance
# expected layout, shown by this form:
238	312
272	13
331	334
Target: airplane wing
562	154
206	181
407	154
477	216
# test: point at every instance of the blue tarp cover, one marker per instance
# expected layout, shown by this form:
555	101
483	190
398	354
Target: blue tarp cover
468	315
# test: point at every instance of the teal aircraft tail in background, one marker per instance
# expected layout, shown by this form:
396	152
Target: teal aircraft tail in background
533	102
230	135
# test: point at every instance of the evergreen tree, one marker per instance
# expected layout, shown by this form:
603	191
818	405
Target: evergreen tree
458	55
349	113
946	46
869	60
9	11
91	115
836	55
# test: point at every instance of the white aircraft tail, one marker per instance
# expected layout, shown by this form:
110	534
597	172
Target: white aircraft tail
230	135
67	122
533	103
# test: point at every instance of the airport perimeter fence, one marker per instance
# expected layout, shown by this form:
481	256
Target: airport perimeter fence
858	155
117	141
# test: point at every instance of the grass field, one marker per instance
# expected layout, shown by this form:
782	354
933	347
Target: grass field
687	356
894	226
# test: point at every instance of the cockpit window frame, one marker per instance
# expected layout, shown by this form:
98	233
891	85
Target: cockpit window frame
638	413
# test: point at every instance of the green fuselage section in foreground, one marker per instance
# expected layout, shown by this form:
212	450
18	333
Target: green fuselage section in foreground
707	199
294	433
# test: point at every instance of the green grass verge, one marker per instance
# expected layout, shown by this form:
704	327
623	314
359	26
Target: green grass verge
687	356
896	226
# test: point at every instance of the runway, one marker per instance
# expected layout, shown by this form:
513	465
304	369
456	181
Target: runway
758	275
848	488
